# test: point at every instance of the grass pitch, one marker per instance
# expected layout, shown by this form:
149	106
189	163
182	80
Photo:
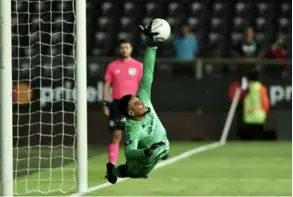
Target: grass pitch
236	169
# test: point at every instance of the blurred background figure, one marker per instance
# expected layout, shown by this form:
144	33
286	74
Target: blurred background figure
256	106
185	44
124	75
278	52
185	47
248	47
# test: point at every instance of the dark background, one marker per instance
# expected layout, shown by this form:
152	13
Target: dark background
190	109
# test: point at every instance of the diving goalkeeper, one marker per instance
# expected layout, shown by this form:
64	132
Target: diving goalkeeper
146	139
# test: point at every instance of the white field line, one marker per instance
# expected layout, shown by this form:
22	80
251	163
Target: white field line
161	164
191	196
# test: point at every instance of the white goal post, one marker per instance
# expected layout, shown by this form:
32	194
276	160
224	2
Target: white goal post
6	139
22	138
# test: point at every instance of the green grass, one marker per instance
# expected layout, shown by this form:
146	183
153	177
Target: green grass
239	169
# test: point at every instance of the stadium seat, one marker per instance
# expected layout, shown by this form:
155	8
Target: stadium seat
218	25
94	69
240	24
261	24
125	36
243	9
265	9
286	10
217	44
193	23
19	6
105	24
68	70
42	6
197	9
174	23
128	24
102	46
285	25
261	38
221	10
131	9
32	51
175	9
196	26
65	6
213	22
153	9
108	9
236	37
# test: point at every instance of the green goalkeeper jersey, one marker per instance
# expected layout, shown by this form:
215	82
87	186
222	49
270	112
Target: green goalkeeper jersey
142	134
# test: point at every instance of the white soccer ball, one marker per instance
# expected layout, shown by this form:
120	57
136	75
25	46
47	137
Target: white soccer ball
163	28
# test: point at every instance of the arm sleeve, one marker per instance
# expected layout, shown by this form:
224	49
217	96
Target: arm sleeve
131	146
265	99
108	75
144	91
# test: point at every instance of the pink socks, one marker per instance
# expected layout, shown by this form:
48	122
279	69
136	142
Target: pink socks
113	152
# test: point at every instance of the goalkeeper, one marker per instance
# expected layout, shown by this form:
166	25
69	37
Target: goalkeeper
146	139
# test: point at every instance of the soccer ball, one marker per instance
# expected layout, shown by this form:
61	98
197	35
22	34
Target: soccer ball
163	28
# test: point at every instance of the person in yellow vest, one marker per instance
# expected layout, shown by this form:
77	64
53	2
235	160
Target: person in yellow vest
256	106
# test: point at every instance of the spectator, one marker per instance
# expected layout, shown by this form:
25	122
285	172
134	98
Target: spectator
248	47
185	44
278	52
256	105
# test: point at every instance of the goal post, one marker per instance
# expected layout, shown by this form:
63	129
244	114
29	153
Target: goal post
6	137
81	91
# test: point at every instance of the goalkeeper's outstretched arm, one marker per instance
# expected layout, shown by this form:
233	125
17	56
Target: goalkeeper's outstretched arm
144	91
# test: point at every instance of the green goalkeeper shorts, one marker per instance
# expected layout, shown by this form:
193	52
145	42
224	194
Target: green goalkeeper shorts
138	169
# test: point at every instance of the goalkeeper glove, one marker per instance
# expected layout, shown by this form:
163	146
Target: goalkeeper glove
147	31
148	152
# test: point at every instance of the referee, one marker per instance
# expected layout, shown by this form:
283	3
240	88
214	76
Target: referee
123	75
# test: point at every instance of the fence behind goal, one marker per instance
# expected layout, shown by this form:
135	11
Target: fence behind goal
45	53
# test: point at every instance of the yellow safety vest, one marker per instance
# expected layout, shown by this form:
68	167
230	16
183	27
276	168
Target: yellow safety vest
253	109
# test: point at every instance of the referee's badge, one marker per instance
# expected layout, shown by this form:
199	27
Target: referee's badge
132	71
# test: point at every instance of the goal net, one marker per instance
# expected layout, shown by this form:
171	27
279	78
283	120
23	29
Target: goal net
44	110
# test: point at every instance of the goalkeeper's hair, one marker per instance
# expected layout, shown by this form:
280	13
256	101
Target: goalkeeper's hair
123	105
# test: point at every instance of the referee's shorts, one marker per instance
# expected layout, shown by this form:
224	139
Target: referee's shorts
115	119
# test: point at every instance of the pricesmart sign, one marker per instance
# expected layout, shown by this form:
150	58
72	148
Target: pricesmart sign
68	93
277	93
